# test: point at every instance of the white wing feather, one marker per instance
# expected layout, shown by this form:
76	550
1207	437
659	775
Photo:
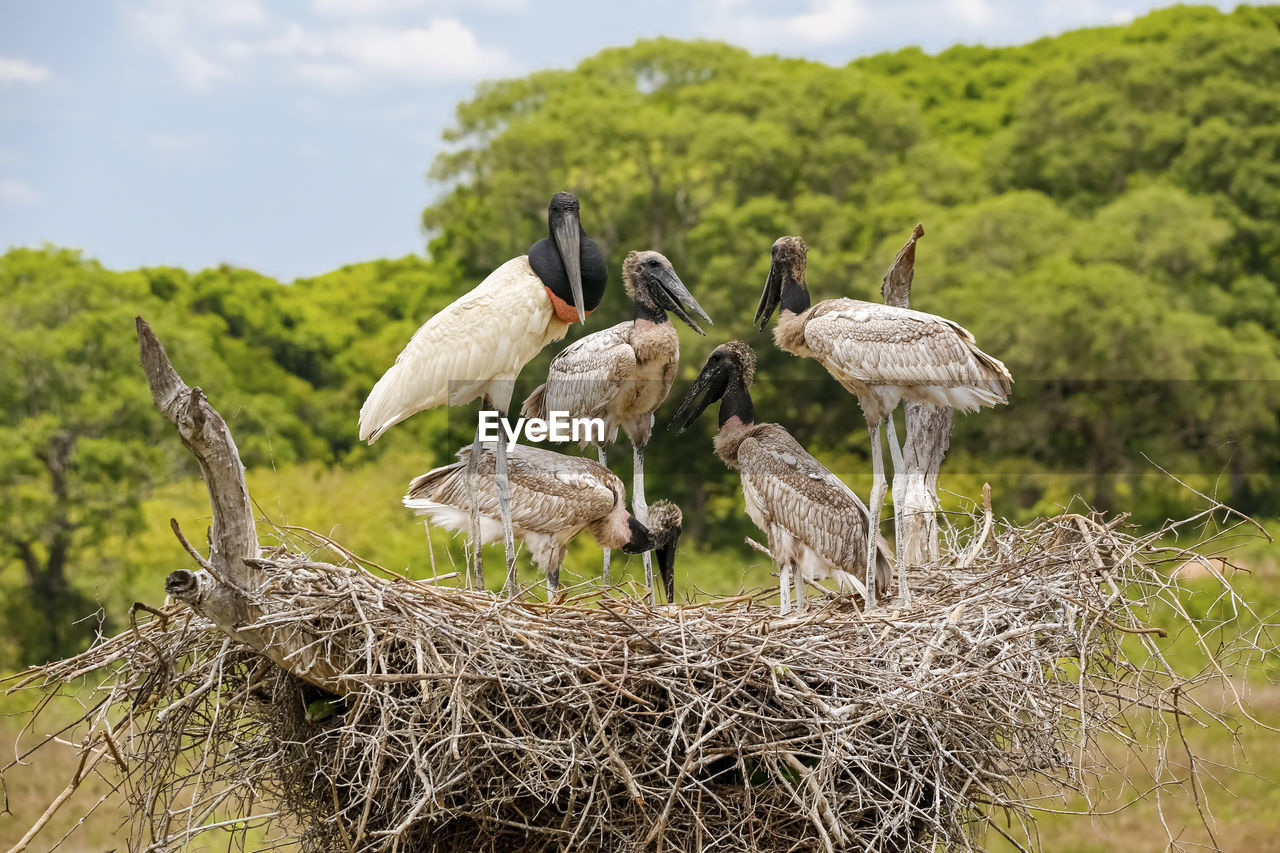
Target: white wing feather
488	334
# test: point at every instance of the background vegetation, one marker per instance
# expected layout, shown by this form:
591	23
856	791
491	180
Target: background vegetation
1102	210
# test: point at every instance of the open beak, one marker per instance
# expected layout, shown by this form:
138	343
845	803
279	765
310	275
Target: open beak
567	232
710	386
770	297
673	293
667	566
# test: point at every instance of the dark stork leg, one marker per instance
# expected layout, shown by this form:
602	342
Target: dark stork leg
874	505
475	565
603	455
553	573
640	510
895	453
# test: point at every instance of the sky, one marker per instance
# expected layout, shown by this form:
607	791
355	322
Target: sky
295	136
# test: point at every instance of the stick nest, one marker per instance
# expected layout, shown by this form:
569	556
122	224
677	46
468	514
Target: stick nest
476	724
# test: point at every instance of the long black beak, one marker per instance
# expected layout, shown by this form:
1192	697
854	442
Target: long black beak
710	385
667	566
770	297
567	231
671	292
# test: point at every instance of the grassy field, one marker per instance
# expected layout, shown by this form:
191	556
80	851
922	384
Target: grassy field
1242	763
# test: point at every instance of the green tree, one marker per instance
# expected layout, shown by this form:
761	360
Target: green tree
78	444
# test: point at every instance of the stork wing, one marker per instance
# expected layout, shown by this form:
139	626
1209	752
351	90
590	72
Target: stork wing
882	345
489	333
587	376
550	492
795	491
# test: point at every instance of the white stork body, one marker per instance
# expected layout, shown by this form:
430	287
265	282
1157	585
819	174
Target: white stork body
474	347
478	344
881	354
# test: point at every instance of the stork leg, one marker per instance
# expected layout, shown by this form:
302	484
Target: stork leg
798	576
640	510
553	572
602	454
475	565
504	501
784	588
895	453
874	505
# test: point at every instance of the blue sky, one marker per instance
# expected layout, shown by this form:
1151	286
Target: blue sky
294	136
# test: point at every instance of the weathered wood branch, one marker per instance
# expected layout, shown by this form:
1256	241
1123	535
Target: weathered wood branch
228	592
234	535
928	435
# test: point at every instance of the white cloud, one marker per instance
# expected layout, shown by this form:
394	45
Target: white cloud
824	22
387	8
363	8
18	193
972	13
14	70
443	49
239	42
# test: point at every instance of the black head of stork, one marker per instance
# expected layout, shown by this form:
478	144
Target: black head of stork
662	536
654	288
569	262
728	373
786	282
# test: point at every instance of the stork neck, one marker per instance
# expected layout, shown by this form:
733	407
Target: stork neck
795	297
736	403
643	309
544	258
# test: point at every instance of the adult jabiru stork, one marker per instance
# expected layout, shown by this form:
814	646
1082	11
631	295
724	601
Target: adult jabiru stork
881	355
476	346
624	373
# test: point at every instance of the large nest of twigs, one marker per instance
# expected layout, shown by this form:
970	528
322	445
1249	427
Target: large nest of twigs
478	724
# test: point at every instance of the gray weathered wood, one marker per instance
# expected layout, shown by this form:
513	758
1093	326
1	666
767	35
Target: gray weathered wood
928	435
228	594
233	535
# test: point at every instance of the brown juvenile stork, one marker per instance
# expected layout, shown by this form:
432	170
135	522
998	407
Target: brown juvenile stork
476	346
624	373
881	355
814	523
554	497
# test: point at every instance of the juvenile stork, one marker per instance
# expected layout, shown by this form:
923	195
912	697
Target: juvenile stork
553	498
881	355
813	521
624	373
477	345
